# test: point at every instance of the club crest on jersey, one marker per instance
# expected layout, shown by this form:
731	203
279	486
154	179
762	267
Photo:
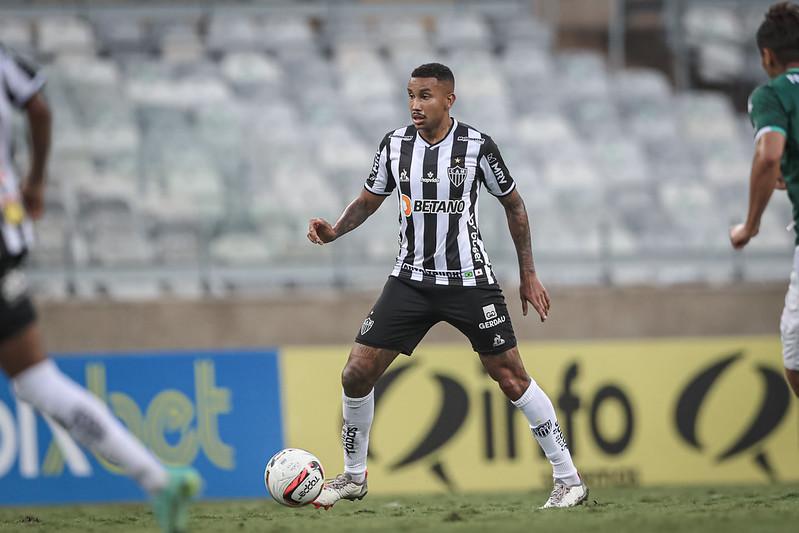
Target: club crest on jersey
457	175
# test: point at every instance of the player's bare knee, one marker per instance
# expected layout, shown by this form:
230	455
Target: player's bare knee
793	380
511	384
355	379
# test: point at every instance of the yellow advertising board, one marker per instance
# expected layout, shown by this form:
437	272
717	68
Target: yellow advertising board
680	411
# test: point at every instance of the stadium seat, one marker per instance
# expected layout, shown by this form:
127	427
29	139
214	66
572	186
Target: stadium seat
17	35
234	33
65	35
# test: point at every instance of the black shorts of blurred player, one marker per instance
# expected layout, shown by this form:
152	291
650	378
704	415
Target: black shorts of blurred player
20	347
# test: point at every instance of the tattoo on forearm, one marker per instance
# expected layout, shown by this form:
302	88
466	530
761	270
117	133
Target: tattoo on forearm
520	232
352	217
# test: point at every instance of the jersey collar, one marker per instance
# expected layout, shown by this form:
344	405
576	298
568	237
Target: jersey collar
448	136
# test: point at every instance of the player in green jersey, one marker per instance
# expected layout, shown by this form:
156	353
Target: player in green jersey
774	110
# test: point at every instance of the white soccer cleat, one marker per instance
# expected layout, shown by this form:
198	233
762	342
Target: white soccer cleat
340	488
563	495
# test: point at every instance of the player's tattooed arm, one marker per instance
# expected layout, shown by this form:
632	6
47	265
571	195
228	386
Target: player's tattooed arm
519	226
531	290
320	231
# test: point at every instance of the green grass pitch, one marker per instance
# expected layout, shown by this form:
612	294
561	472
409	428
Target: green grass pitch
772	508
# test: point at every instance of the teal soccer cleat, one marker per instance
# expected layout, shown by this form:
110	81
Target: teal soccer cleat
171	504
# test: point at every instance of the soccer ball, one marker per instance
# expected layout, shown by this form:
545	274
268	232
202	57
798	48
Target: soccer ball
294	477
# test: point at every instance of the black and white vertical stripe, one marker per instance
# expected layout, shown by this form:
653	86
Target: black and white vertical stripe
438	188
19	81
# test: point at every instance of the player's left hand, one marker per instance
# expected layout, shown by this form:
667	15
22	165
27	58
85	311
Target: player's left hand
740	235
33	198
534	292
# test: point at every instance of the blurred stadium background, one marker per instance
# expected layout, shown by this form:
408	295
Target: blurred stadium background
193	140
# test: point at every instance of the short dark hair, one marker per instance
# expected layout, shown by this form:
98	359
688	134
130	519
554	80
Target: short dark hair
434	70
779	32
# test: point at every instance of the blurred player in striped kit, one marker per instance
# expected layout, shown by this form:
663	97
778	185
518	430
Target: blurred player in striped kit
35	378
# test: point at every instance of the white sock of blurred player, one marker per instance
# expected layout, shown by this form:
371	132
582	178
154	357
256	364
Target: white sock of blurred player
537	407
358	416
89	421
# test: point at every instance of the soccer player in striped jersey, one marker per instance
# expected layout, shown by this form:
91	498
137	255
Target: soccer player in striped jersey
35	378
774	112
437	167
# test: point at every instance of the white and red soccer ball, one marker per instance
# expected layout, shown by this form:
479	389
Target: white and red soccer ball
294	477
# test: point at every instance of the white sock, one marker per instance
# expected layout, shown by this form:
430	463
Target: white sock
89	421
358	416
537	407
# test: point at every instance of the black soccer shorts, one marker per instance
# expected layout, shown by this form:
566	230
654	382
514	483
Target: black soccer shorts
406	310
16	308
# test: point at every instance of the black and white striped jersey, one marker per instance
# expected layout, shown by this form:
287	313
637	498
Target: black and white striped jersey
438	187
19	81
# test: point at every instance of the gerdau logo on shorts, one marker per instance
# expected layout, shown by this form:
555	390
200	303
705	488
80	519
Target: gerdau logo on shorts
493	320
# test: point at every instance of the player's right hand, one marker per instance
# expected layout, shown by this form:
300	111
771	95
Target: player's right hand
33	198
320	231
740	235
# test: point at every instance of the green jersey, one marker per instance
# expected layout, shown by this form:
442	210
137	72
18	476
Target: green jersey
775	107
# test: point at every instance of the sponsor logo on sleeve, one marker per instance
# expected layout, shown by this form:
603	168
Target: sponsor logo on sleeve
375	167
478	140
496	167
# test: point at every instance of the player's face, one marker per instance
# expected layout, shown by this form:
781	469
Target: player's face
429	101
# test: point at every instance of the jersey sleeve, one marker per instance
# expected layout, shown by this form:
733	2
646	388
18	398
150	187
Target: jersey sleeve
21	78
767	112
380	180
496	175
